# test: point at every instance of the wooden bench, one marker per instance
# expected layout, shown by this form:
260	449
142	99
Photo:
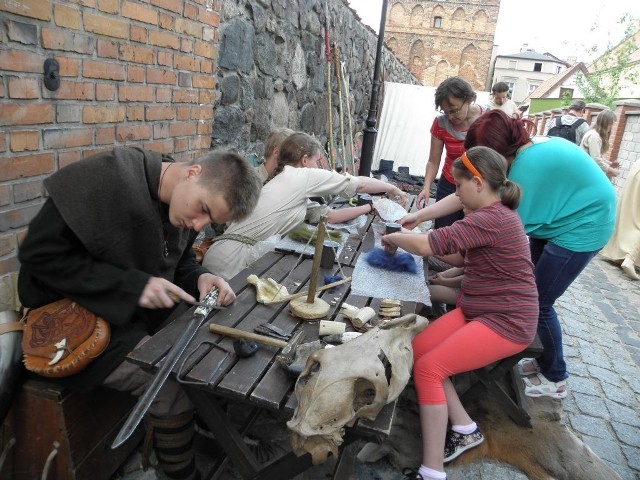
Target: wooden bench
51	433
492	378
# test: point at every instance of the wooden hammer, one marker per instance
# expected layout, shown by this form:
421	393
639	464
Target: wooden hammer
287	357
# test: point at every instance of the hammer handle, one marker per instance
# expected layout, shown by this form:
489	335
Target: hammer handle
237	333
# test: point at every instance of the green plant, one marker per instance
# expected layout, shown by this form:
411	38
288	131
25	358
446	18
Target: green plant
614	69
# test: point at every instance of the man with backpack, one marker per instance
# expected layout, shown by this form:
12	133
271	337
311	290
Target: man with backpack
570	126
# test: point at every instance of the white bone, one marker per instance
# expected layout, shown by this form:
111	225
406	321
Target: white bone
363	316
328	327
60	348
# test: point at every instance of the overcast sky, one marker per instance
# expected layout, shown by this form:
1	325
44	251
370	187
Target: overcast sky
564	28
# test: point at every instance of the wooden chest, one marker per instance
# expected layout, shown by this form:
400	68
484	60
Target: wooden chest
68	435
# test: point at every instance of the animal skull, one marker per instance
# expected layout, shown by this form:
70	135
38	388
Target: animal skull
353	380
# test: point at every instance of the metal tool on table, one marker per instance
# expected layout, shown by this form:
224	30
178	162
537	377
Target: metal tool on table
270	330
294	354
144	401
177	299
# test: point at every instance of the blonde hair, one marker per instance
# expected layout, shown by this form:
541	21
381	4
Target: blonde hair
275	139
294	148
604	122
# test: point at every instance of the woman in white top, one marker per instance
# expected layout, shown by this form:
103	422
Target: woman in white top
596	142
284	203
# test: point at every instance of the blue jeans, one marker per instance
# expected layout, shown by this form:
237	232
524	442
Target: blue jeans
555	268
444	189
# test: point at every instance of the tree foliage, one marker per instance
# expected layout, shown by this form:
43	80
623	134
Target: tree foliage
614	69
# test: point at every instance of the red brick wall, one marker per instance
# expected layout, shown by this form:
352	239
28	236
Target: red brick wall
133	72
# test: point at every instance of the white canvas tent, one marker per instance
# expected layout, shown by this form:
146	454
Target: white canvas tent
403	133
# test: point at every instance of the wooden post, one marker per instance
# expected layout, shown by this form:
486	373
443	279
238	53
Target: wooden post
317	254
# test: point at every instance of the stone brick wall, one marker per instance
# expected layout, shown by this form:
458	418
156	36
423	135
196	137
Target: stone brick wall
131	73
145	73
626	141
460	46
272	70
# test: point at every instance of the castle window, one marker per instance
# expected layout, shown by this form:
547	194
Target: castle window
437	22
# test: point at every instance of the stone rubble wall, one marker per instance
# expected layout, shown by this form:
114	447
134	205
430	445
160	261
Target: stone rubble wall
272	70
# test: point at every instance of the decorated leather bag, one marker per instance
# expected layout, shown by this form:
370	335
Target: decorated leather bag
62	338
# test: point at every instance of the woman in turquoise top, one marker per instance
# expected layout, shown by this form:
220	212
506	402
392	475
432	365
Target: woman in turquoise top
568	211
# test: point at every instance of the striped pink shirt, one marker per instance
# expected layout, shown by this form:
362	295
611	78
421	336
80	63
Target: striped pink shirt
498	287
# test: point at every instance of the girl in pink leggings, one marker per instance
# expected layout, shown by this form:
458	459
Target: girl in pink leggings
497	309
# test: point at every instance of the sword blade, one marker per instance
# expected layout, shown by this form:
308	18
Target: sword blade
146	399
173	356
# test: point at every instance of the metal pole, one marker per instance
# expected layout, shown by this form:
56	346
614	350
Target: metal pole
369	137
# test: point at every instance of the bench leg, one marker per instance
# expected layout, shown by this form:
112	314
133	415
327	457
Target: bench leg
226	434
516	412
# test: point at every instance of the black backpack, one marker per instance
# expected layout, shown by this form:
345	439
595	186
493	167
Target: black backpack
567	132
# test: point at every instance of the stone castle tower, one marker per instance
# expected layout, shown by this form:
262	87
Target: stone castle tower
436	40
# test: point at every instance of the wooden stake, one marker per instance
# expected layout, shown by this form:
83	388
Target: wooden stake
317	254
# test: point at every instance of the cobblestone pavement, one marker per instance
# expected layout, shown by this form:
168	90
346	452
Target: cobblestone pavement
600	314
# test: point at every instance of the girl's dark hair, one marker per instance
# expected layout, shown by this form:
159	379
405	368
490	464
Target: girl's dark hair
294	148
454	87
493	168
496	130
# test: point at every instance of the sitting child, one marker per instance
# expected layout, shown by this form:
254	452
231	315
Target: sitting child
497	309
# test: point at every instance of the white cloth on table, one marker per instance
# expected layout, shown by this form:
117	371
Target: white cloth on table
369	281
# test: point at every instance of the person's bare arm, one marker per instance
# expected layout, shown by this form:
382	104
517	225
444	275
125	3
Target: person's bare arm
345	214
416	243
446	206
433	164
373	185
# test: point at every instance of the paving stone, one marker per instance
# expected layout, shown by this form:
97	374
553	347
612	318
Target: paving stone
590	404
572	308
569	351
622	395
628	336
569	405
606	449
626	433
634	383
623	414
635	326
613	293
576	368
633	457
610	314
604	375
583	385
595	356
624	472
635	355
588	425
